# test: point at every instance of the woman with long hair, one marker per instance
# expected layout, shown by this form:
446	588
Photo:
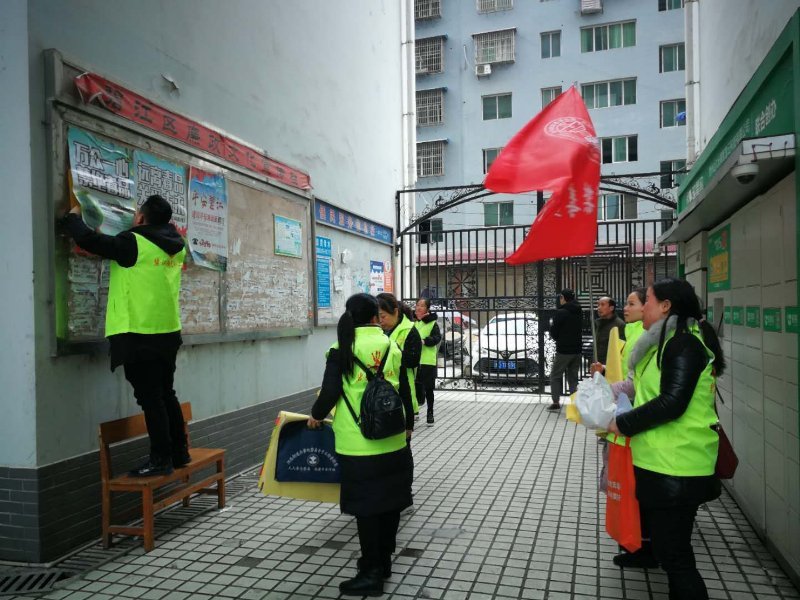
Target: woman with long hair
376	474
429	332
396	320
673	441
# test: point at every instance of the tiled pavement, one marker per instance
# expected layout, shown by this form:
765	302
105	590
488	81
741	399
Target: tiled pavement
506	507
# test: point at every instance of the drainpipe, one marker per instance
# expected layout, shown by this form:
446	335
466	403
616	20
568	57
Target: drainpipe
692	85
409	146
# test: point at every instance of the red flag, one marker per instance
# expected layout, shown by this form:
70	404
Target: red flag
557	151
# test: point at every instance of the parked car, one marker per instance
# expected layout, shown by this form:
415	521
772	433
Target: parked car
508	348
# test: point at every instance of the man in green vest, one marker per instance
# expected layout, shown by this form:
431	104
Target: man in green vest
143	323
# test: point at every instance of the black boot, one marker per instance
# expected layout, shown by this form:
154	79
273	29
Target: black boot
366	583
154	467
386	569
643	558
181	457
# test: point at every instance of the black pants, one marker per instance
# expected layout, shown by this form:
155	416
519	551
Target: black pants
426	381
378	537
671	534
564	363
152	380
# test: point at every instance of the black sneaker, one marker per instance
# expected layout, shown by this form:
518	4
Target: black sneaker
430	420
181	458
641	559
554	407
152	468
366	583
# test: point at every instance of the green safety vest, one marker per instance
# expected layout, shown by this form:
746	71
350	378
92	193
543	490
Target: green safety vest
399	336
686	446
428	352
369	346
633	332
144	298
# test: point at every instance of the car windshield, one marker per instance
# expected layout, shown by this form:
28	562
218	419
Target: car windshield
508	327
512	317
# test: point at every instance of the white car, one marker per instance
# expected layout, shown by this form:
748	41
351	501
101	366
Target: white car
507	348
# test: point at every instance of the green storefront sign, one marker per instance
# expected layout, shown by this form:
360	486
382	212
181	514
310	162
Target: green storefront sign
737	315
753	316
772	319
719	260
726	312
792	319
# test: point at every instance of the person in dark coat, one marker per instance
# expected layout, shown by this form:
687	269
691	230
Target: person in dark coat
566	331
376	474
606	321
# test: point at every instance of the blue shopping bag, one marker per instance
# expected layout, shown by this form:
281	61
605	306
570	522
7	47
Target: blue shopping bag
307	455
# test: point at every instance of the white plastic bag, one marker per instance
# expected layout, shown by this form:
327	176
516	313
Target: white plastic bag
595	401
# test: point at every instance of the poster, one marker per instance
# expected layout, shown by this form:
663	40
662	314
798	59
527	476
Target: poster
323	272
376	281
101	180
752	316
772	319
208	219
288	237
388	277
719	260
155	175
792	319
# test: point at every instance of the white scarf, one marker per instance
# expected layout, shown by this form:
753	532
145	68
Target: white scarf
651	337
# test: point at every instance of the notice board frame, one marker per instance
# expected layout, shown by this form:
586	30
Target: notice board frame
63	107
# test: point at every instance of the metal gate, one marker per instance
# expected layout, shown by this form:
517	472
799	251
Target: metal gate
494	317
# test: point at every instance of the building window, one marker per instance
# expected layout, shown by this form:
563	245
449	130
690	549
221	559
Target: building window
431	231
672	58
427	9
496	107
429	55
551	44
489	156
550	94
620	149
430	107
430	159
673	113
669	5
617	207
668	180
486	6
609	93
608	37
494	46
498	213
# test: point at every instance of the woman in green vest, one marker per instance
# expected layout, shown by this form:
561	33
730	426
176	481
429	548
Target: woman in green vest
376	474
431	336
673	440
396	320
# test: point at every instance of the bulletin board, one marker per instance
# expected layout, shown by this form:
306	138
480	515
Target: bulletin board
260	294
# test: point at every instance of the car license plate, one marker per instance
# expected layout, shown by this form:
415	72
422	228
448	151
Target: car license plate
506	365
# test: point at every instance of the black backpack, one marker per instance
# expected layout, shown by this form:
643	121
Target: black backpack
382	413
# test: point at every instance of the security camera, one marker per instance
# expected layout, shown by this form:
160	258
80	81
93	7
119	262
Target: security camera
745	173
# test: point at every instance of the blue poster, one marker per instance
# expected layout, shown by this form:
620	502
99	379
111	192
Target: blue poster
323	272
154	175
208	219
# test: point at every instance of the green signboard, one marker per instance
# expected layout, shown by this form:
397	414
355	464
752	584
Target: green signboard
772	319
792	319
726	315
753	316
737	315
719	260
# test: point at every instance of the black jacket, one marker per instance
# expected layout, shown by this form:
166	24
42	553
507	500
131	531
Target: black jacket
130	347
682	363
566	328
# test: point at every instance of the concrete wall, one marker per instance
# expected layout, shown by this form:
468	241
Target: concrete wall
468	133
760	413
316	84
737	34
17	394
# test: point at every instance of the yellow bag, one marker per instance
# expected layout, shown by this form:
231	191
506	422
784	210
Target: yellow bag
317	492
613	372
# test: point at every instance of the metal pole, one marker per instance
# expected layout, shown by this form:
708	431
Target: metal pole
591	306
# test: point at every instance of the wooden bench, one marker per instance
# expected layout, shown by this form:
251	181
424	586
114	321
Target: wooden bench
130	427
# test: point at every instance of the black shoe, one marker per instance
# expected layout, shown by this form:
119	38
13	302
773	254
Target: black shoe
152	468
554	407
430	420
641	559
386	571
366	583
181	458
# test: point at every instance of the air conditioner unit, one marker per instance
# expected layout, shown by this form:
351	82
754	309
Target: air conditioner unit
591	7
483	70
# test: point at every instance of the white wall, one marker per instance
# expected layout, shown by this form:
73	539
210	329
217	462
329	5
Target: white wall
732	37
760	386
317	84
17	393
